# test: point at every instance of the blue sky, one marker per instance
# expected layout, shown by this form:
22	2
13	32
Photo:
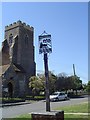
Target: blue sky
67	22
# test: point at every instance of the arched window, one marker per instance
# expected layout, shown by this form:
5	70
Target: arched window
10	39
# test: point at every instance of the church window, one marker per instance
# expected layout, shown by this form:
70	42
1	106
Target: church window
10	39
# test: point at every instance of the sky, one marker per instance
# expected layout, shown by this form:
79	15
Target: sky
67	22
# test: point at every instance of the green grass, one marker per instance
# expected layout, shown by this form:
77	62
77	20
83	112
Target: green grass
10	99
21	117
82	108
36	97
24	116
16	119
76	117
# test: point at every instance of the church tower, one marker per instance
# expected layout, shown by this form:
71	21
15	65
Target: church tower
20	39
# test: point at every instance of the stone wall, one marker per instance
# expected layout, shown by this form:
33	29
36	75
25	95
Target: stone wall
48	116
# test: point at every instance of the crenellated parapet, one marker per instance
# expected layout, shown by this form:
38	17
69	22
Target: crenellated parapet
18	24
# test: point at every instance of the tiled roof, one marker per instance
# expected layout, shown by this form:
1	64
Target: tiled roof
4	68
17	68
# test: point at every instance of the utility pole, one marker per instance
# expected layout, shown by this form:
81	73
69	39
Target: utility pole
74	70
75	77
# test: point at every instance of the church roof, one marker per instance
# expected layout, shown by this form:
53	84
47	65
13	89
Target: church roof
4	67
17	68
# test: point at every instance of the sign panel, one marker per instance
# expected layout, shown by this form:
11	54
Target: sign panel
45	45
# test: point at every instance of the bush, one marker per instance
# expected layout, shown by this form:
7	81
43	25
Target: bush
12	100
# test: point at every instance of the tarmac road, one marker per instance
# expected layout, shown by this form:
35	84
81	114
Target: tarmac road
13	111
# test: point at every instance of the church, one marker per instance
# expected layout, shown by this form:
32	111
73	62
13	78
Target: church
18	62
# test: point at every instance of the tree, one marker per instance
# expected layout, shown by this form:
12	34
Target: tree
68	82
63	74
60	83
88	87
36	85
52	82
76	83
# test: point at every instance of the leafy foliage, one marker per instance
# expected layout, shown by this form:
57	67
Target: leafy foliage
62	82
36	85
88	87
67	83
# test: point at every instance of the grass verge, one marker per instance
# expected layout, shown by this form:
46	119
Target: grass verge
80	108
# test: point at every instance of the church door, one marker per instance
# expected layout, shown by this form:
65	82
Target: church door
10	89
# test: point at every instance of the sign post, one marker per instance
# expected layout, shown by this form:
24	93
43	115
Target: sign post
45	47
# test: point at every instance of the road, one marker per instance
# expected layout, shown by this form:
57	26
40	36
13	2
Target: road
13	111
